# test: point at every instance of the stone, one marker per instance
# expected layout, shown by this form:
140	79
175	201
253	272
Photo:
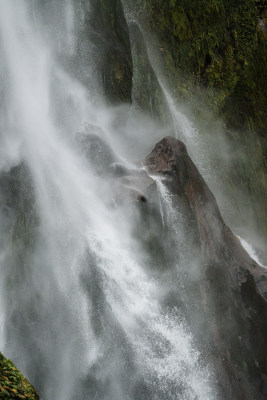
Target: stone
232	287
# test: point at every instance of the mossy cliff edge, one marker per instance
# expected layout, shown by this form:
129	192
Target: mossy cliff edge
213	54
222	44
13	385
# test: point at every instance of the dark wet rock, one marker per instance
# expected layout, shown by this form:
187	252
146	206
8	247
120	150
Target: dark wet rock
104	36
134	188
96	151
147	93
127	185
232	287
124	194
17	203
118	170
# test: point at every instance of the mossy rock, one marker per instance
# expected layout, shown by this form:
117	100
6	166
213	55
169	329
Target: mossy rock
216	45
13	385
214	56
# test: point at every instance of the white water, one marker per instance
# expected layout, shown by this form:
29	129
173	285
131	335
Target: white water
251	251
80	313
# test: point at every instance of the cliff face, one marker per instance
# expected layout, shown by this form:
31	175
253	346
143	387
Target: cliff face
221	45
213	54
147	94
104	37
216	49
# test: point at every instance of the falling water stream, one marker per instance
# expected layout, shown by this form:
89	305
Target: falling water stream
81	309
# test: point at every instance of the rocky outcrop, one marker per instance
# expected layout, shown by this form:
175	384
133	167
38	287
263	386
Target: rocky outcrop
13	385
232	287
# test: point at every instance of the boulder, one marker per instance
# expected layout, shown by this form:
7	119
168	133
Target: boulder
232	287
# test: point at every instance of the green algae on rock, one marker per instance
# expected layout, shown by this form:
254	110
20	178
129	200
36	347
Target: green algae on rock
219	44
13	385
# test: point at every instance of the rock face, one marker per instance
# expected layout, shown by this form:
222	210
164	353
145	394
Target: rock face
17	205
232	287
147	94
215	56
219	44
13	385
127	185
111	48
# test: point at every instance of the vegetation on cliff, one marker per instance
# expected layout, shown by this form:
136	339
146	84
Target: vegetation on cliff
13	385
213	54
221	45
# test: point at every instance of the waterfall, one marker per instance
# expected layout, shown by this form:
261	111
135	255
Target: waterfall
81	307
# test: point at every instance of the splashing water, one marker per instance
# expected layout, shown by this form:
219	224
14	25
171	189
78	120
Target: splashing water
79	313
251	251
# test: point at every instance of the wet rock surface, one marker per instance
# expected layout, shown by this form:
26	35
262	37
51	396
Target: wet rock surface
95	150
232	288
127	184
147	94
112	51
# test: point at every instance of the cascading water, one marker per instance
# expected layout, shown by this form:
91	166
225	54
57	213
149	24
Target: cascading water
81	310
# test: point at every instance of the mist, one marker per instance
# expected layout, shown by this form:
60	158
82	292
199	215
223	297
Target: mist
99	264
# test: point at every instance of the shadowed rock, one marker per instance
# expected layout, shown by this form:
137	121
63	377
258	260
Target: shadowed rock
118	170
147	93
124	194
139	188
126	185
106	26
95	150
232	286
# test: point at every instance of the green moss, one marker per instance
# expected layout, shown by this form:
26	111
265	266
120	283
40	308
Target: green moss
216	44
216	51
13	385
